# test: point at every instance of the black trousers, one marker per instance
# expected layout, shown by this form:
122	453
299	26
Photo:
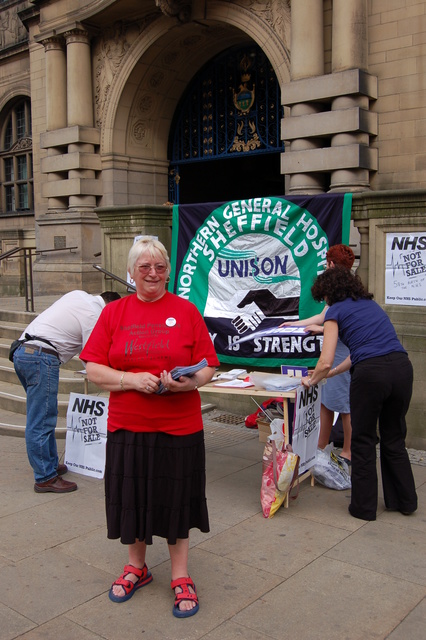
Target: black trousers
381	391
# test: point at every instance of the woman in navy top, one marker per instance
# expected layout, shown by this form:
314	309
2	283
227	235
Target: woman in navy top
381	388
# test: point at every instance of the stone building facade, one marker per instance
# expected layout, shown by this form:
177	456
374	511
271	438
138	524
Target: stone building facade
89	95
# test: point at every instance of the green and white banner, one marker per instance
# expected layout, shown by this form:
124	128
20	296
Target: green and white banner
248	265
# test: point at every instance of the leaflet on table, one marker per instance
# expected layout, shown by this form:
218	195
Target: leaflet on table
232	374
235	384
188	371
275	382
274	331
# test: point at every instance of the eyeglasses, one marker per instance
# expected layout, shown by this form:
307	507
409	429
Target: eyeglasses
146	268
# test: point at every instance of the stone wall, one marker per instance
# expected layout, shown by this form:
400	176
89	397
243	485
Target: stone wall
402	212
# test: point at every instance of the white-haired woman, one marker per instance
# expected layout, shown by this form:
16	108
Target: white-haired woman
155	464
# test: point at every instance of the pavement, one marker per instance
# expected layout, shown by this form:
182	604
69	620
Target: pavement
310	572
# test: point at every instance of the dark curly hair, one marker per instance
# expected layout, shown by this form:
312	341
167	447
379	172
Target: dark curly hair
337	284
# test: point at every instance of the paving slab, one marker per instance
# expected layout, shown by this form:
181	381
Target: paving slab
310	572
281	545
233	584
68	630
378	547
413	626
331	600
13	624
47	584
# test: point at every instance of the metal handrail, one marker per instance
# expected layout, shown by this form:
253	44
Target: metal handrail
28	269
114	277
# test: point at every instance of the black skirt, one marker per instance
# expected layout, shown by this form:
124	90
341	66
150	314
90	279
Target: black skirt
155	486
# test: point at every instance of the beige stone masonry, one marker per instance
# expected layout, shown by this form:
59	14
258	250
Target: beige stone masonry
324	88
119	227
66	161
330	122
403	212
327	159
70	135
72	187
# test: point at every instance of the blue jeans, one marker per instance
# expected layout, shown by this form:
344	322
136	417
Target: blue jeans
39	375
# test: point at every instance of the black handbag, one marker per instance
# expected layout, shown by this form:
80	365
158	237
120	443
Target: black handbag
15	344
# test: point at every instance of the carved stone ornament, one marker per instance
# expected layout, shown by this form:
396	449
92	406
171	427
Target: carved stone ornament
21	144
12	30
142	133
109	53
180	9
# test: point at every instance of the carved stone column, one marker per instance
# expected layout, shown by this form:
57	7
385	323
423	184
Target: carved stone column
364	232
56	83
350	51
56	109
307	61
74	163
79	79
330	123
80	110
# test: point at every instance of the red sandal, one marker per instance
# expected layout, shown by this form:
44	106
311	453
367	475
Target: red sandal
185	594
144	577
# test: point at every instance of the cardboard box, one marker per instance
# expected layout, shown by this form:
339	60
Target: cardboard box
264	429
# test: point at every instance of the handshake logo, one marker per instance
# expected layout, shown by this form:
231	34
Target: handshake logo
268	306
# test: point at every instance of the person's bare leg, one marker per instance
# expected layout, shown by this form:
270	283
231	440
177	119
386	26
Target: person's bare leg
326	425
137	552
347	435
179	559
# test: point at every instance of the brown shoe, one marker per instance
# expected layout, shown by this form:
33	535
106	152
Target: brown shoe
62	469
55	485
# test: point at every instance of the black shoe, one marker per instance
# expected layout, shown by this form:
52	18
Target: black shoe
345	460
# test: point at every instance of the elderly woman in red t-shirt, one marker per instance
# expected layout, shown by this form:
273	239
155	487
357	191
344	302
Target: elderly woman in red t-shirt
155	462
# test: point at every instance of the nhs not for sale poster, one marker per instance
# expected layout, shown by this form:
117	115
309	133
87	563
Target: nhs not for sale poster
406	269
85	444
306	425
248	265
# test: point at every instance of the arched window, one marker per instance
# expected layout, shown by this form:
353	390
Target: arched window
16	171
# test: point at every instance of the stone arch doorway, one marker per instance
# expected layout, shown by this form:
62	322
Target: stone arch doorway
225	141
137	103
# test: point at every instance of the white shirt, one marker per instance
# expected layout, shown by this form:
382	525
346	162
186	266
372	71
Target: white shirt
67	323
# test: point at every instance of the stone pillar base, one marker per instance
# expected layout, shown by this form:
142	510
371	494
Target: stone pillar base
67	268
120	226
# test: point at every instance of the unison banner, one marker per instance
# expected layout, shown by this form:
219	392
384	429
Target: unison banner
248	265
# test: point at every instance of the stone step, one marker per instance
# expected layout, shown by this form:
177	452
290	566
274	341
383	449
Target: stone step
12	395
69	380
20	317
10	330
75	364
13	398
13	424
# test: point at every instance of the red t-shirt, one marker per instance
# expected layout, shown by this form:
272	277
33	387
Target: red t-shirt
132	335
